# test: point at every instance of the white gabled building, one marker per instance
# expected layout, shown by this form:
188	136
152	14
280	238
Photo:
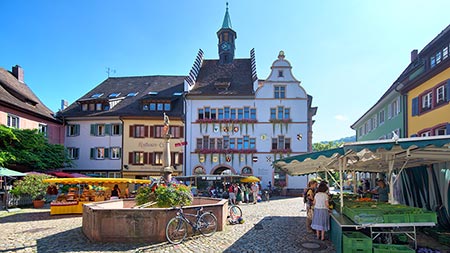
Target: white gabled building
238	124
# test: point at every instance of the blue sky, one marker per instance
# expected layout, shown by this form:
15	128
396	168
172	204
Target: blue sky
346	53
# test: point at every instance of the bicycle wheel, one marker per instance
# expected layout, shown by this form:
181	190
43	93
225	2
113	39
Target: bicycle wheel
235	213
176	230
207	224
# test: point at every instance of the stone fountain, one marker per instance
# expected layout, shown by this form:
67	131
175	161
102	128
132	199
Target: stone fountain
120	221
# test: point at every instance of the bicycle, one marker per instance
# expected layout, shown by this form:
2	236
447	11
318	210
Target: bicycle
176	229
235	212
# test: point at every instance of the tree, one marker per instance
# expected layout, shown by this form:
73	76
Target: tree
25	148
320	146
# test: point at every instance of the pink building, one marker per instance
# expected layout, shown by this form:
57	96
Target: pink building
21	108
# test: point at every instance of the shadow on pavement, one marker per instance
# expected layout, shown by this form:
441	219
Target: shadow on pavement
280	234
74	240
25	217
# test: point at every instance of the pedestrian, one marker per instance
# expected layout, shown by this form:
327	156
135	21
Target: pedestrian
240	196
232	194
255	190
308	199
247	191
115	193
321	215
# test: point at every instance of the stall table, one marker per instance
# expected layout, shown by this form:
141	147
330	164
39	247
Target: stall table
340	222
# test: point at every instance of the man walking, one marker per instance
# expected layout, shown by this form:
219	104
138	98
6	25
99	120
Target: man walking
255	190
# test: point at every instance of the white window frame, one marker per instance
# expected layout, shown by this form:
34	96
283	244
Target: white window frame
73	153
158	158
43	128
115	127
72	130
381	119
427	100
425	134
436	131
114	175
115	153
99	153
440	94
13	121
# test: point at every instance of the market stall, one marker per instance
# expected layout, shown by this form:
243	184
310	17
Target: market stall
74	192
390	157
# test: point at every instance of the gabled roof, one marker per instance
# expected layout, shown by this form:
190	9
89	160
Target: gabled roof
19	96
159	87
232	79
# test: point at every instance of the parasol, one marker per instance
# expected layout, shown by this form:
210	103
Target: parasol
250	179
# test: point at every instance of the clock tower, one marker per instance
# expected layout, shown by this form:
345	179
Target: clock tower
226	36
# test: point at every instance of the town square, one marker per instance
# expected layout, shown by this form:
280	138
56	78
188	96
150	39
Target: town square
153	127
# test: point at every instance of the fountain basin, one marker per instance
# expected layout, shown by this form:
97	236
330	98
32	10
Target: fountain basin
118	221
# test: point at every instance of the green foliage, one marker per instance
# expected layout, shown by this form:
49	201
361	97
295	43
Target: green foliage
320	146
32	185
145	195
175	195
30	149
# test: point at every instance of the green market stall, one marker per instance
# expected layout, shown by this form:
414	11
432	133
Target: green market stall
394	158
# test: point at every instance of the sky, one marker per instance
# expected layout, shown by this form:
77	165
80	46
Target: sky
346	53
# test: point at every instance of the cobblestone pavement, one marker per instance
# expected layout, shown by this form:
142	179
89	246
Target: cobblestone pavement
275	226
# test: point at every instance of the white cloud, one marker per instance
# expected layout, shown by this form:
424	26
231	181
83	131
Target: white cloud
340	117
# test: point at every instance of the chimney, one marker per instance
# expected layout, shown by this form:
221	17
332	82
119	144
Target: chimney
17	71
414	54
64	104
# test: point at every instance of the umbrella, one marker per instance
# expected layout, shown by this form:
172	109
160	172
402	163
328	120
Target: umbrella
4	172
250	179
76	175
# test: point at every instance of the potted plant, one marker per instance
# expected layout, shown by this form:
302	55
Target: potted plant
34	186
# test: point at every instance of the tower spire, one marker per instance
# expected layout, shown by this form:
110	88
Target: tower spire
226	20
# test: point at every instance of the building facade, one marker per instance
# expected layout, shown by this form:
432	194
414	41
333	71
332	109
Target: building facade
237	124
417	103
112	131
384	120
428	89
21	108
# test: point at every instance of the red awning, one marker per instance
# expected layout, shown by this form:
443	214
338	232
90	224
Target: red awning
60	174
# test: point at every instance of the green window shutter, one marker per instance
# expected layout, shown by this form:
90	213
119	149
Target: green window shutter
415	106
92	153
77	130
120	129
108	129
77	153
93	126
120	153
67	130
106	152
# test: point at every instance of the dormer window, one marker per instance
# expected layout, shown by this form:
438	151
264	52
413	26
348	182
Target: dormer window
98	106
154	93
84	107
97	95
114	95
132	94
177	94
280	73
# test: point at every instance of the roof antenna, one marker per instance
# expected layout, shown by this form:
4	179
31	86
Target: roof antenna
109	71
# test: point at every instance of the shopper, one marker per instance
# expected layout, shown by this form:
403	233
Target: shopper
115	193
255	190
232	194
247	191
308	200
382	190
321	216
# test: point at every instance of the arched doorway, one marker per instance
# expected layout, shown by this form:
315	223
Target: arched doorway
223	170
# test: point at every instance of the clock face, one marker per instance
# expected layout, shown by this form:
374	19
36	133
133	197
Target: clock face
226	46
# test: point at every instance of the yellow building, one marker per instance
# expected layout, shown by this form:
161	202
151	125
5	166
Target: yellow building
143	146
426	83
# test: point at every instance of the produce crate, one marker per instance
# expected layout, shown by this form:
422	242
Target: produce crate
391	248
396	218
423	217
356	242
364	215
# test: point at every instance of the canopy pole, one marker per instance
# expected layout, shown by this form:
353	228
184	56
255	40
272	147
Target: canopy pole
391	179
341	178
